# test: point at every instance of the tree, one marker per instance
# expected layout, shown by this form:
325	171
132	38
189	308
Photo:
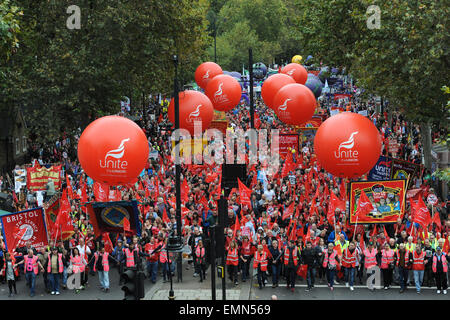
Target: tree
403	61
63	79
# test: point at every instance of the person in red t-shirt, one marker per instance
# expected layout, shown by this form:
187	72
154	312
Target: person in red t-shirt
152	248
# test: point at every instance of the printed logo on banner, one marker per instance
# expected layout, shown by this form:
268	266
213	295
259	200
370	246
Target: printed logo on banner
347	155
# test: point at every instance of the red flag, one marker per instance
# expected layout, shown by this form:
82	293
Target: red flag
101	192
288	165
165	217
364	206
437	220
107	242
342	192
63	224
374	231
244	194
385	234
15	197
257	121
237	226
362	245
335	203
293	234
421	214
156	184
288	211
184	191
126	224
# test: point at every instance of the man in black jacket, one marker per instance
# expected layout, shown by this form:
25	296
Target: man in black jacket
310	257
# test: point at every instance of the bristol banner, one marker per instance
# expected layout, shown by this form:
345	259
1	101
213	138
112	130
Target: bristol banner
381	170
287	141
401	169
33	221
37	177
109	216
387	198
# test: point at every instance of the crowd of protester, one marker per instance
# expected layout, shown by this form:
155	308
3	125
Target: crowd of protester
306	245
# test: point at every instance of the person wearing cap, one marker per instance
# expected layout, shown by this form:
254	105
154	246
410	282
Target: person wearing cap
440	268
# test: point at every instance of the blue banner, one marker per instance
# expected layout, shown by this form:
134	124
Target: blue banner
382	169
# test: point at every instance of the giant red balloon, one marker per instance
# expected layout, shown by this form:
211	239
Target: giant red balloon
294	104
194	106
206	72
113	150
224	91
347	145
271	86
297	72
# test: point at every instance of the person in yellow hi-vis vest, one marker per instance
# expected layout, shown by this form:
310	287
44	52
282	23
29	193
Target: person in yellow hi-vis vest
410	246
340	245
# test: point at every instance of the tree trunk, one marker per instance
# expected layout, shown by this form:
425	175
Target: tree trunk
425	133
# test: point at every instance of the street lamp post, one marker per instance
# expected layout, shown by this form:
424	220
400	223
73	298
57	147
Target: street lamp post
177	167
250	71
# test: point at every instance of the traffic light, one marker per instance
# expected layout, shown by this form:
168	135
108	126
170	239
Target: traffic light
133	287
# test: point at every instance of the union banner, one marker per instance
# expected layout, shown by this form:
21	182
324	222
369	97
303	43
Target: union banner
387	198
37	177
110	216
20	227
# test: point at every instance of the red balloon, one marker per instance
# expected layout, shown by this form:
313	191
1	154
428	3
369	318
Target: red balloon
113	150
294	104
224	91
194	106
347	145
297	72
206	72
271	86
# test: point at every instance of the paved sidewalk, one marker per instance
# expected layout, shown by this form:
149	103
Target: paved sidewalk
192	289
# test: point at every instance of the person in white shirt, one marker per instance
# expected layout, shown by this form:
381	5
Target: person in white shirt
82	248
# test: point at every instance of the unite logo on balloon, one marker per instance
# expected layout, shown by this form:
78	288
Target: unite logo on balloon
220	97
282	109
195	115
347	155
206	76
117	154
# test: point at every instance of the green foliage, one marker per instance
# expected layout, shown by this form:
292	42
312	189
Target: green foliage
63	79
9	29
